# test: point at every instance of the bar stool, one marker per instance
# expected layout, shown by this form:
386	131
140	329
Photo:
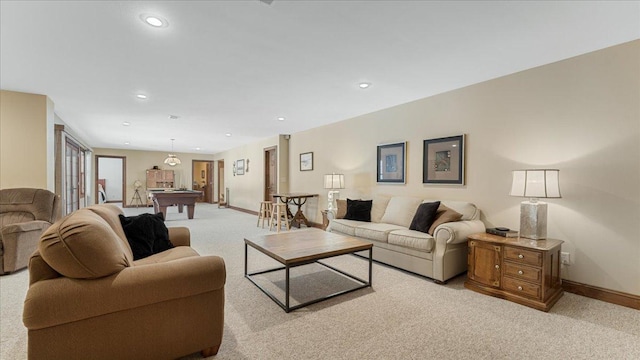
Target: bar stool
265	213
277	212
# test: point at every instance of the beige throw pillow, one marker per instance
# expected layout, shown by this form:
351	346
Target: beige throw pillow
443	215
342	208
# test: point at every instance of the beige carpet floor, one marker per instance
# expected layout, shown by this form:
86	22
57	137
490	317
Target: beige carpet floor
402	317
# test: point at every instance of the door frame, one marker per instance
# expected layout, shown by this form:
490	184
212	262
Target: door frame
266	194
221	181
208	176
124	177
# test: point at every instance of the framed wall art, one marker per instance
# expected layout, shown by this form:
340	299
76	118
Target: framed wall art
390	162
240	167
306	161
443	161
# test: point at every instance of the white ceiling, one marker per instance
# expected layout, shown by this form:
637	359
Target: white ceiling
236	66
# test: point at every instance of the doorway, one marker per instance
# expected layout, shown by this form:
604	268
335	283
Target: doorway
202	176
221	195
270	172
110	179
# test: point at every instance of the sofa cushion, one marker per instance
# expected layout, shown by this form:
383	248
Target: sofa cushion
82	245
376	231
400	210
412	239
444	215
146	234
359	210
380	203
424	217
345	226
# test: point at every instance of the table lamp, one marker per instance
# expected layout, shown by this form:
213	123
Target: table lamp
535	184
333	182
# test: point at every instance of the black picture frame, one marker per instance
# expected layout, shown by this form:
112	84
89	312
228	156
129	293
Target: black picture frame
391	163
443	160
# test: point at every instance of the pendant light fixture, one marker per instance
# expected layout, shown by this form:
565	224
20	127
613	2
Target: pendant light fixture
172	160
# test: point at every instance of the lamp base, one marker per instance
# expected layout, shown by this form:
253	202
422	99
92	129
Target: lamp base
331	200
533	220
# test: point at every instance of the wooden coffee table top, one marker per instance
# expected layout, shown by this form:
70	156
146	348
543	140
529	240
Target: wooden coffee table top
300	246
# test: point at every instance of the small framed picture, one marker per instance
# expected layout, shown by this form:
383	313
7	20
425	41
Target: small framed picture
240	167
391	163
306	161
443	161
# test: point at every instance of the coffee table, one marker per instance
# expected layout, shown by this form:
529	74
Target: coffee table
302	247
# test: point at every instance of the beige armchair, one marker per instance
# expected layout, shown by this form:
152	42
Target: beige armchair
88	298
24	215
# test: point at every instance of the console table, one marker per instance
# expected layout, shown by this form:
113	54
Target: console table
521	270
298	199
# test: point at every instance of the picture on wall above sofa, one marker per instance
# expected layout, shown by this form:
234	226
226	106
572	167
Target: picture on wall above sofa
391	163
443	160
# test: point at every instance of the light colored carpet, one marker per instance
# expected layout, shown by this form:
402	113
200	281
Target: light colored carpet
401	317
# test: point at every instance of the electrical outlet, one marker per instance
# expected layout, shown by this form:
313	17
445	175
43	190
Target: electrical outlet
565	258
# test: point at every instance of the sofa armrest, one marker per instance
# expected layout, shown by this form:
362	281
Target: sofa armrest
64	300
180	236
458	231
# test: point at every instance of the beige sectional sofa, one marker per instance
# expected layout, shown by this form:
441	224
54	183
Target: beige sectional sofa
440	256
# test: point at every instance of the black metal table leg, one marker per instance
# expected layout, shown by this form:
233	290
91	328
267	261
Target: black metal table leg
286	288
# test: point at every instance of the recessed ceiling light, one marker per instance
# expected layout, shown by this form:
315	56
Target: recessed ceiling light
197	148
154	20
454	145
280	118
126	123
173	117
126	143
227	134
364	85
141	96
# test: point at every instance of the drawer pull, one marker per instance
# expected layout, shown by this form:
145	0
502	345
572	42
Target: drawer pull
497	266
520	288
520	272
520	256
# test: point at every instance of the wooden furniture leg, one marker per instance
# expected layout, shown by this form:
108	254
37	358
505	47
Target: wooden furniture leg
210	351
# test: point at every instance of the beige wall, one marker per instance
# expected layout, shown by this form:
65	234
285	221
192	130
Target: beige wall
26	141
138	162
246	191
581	115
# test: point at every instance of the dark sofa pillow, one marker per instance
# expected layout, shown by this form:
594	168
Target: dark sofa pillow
359	210
146	234
424	217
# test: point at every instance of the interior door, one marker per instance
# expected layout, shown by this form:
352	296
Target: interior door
270	173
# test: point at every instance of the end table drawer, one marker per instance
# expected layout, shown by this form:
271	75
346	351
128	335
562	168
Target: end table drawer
523	256
523	272
521	288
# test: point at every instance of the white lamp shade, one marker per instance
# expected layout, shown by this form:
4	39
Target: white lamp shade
334	181
172	160
542	183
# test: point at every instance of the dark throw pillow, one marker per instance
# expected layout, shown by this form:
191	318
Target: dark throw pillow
424	217
359	210
146	234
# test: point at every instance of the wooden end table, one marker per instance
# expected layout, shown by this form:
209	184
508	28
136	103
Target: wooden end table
521	270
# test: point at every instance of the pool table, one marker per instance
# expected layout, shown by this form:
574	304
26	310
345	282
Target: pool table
162	199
